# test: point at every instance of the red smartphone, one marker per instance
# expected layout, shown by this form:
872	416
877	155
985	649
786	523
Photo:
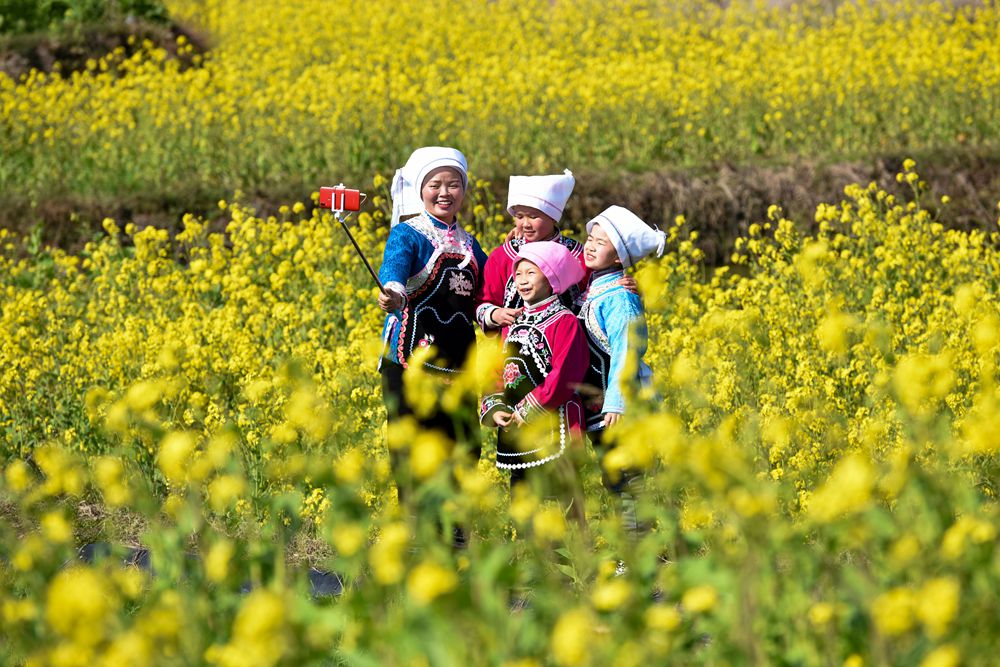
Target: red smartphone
339	198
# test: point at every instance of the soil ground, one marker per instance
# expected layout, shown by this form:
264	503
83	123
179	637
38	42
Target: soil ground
69	51
719	201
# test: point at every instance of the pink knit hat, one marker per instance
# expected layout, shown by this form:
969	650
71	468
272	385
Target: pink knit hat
555	261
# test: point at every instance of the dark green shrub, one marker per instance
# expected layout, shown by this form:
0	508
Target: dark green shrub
25	16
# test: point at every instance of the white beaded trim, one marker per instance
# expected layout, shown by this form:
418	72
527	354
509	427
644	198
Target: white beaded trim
535	464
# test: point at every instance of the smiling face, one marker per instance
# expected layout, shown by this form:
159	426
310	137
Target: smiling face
531	283
598	252
442	193
533	224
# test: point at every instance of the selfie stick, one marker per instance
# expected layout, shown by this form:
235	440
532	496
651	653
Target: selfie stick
339	214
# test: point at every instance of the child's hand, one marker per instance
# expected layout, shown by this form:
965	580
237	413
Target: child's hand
611	418
515	233
504	317
390	301
518	418
502	419
629	283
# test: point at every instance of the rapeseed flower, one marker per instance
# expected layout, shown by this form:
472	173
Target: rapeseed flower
428	581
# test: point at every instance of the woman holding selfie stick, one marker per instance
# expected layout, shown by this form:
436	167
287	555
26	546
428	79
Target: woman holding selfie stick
432	272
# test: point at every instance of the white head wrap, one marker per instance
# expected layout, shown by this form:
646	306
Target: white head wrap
632	238
408	180
548	194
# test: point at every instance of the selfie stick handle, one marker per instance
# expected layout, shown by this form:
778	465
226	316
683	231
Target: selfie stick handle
343	223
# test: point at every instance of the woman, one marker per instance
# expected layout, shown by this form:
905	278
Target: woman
432	273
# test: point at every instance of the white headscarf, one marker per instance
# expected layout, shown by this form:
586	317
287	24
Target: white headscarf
548	193
408	180
632	238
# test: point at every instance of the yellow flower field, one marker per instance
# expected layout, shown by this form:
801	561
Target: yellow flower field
295	92
819	445
819	452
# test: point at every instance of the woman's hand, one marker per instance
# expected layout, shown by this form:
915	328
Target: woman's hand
390	301
502	419
504	317
611	418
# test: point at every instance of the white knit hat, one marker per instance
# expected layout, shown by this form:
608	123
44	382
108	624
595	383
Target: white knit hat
548	194
408	181
632	238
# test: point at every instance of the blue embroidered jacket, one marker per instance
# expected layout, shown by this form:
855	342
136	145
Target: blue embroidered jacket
438	268
608	312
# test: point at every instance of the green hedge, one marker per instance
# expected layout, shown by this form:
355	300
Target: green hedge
26	16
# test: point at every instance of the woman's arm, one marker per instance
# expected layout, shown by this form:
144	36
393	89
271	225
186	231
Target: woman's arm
397	261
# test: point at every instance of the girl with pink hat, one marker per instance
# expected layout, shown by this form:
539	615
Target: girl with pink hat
545	359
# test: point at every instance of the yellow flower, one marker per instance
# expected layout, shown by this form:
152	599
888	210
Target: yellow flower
937	604
572	638
523	504
348	538
175	450
18	475
549	524
834	331
610	595
18	611
130	581
217	560
892	611
400	434
28	552
700	599
347	468
428	581
224	491
110	474
79	605
847	490
142	395
56	527
129	648
386	555
260	635
821	613
942	656
220	447
429	450
905	550
921	379
663	618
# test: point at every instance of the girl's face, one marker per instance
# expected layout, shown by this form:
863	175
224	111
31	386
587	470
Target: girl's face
443	193
533	224
598	252
531	283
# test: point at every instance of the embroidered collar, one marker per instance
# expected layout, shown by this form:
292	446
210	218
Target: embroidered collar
540	312
441	223
607	276
444	237
541	305
557	236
